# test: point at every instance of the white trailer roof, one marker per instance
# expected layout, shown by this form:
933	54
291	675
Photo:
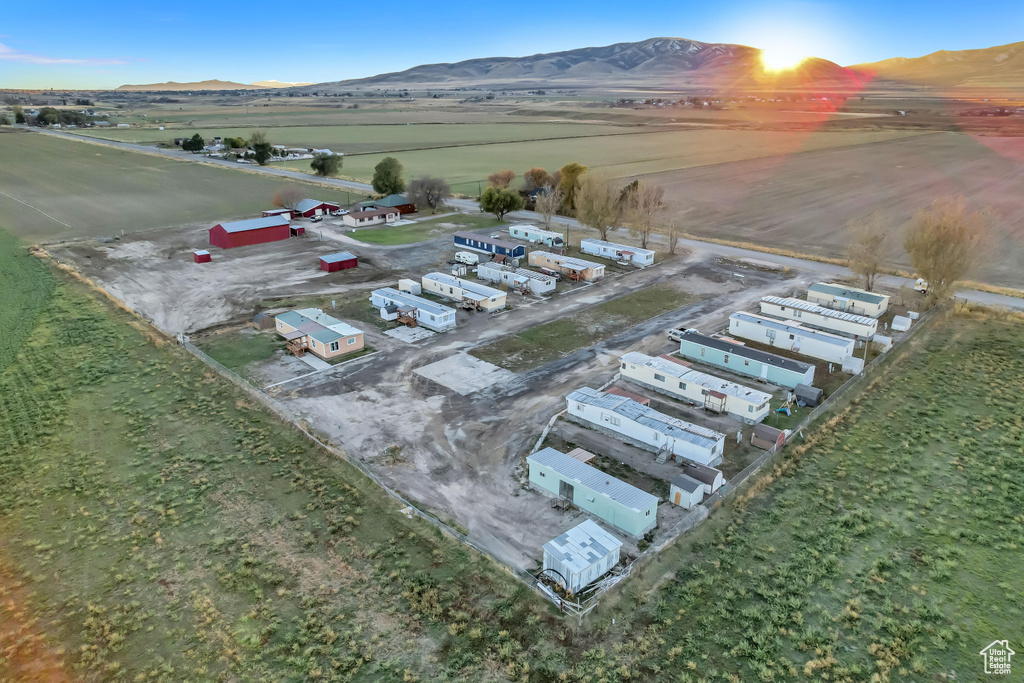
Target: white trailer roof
594	479
782	326
412	300
467	285
702	379
820	310
582	546
570	261
616	246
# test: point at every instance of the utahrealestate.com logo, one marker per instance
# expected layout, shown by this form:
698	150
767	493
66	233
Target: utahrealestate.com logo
997	657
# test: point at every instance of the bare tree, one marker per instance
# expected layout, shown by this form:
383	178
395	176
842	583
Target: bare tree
429	191
287	198
945	242
501	178
868	241
644	201
547	204
597	205
673	237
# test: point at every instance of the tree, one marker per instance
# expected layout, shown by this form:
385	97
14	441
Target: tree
597	204
325	164
500	201
4	121
868	237
47	116
536	177
644	202
547	204
387	177
261	148
19	114
287	198
429	191
501	178
194	144
234	143
945	242
569	177
673	237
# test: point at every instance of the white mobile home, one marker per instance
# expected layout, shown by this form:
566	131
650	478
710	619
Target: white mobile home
790	337
533	235
617	252
686	492
428	314
580	556
457	289
813	315
849	299
575	269
646	427
672	378
516	278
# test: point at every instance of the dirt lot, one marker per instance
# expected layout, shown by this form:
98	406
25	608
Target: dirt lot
803	201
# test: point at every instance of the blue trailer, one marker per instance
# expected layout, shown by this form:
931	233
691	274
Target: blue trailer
488	245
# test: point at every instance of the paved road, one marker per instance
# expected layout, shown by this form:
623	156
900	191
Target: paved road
469	205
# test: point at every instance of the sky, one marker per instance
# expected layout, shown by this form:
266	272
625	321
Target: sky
101	45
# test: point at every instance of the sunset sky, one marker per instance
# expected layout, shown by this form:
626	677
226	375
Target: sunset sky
66	44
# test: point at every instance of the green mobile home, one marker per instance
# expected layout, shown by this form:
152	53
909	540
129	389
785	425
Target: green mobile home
735	357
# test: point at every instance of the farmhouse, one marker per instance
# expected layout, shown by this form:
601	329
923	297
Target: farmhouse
710	477
307	208
813	315
519	279
790	336
686	492
849	299
251	231
488	245
399	202
368	217
665	435
617	252
622	505
342	260
575	268
427	314
310	329
580	556
735	357
457	289
667	376
533	235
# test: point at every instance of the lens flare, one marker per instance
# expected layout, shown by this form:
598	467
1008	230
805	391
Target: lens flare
781	58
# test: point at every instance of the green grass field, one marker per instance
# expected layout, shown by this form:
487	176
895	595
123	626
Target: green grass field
54	189
155	524
425	229
545	343
236	350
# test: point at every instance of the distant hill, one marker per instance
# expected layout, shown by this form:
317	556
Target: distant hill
279	84
198	85
991	67
664	62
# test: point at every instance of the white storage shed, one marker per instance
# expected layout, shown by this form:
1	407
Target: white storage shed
790	336
580	556
686	492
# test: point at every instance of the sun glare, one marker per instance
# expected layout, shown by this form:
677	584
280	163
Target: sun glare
781	58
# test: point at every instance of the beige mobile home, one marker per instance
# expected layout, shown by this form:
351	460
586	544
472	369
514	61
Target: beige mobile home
849	299
573	268
457	289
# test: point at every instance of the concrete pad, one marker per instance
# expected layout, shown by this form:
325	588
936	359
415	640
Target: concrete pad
314	362
464	374
410	335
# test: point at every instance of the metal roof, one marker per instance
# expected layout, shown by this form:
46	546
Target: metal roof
493	265
534	230
820	310
742	351
616	246
791	328
307	204
582	546
570	261
687	374
318	325
253	224
467	285
594	479
484	239
844	292
340	256
648	417
687	483
702	473
411	300
392	200
201	252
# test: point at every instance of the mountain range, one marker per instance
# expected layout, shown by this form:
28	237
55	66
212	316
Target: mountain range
172	86
992	67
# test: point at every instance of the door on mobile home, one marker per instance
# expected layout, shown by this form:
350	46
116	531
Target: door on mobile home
565	490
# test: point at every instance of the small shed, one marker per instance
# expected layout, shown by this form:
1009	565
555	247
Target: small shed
297	230
709	476
808	395
264	321
580	556
900	323
342	260
767	437
201	256
686	492
581	455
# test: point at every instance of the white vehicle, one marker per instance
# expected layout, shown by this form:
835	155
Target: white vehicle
921	285
467	257
340	212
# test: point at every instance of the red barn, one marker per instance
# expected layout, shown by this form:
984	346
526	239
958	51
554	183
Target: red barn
201	256
307	208
252	231
343	260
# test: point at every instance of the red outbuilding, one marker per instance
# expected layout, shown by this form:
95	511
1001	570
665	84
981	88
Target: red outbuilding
201	256
307	208
343	260
252	231
298	231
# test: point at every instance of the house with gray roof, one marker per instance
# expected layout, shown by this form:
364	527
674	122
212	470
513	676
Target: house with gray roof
310	329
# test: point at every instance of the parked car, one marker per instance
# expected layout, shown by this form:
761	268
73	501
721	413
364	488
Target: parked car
340	212
316	219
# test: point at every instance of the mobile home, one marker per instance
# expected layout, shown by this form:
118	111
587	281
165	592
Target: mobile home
733	356
670	377
310	329
622	505
533	235
813	315
457	289
580	556
574	268
790	336
849	299
617	252
488	245
645	426
428	314
516	278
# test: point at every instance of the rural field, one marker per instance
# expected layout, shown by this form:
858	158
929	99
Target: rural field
57	189
155	523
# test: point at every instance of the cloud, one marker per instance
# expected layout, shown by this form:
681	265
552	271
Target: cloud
9	54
